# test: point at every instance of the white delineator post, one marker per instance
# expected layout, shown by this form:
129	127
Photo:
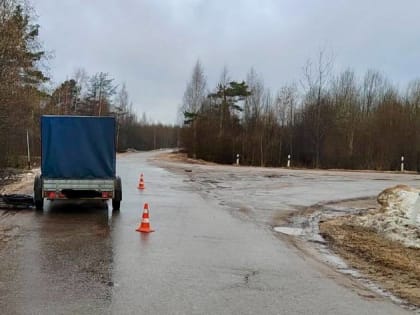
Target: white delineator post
402	163
237	159
288	160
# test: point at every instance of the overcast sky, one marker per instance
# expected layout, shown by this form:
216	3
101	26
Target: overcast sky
153	45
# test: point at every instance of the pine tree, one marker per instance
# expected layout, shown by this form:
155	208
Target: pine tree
20	76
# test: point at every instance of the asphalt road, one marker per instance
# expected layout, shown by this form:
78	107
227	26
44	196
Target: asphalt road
86	259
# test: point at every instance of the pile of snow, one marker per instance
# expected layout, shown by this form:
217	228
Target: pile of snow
398	219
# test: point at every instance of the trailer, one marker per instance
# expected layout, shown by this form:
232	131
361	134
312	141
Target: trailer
78	160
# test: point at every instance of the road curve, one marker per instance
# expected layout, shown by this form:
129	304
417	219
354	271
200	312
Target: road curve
85	259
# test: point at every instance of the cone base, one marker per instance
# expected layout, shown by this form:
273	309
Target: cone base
144	230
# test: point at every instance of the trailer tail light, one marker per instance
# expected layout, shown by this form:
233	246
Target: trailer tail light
106	194
54	195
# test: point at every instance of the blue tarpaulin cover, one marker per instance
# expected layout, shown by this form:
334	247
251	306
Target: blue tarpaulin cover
78	147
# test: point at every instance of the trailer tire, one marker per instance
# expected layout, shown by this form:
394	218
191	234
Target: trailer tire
116	201
38	198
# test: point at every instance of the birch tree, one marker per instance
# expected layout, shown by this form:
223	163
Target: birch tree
194	96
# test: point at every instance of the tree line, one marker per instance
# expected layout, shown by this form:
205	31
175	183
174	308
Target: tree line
98	95
24	96
327	120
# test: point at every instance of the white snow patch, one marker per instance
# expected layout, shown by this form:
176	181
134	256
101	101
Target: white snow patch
289	230
398	218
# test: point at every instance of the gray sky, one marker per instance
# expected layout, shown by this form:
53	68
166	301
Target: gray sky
153	45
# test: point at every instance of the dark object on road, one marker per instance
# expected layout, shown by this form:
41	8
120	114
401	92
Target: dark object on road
16	201
78	157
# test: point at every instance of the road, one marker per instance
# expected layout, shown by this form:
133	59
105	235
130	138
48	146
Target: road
202	258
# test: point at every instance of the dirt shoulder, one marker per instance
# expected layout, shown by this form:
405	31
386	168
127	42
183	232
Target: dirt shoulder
395	267
181	157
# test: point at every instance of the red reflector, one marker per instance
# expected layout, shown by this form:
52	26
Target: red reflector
51	195
106	194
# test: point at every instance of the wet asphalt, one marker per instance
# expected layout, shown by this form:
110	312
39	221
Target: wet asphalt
86	259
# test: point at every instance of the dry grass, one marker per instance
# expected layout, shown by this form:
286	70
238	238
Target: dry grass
395	267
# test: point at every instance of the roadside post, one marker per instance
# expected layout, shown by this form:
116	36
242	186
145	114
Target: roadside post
237	159
288	160
402	163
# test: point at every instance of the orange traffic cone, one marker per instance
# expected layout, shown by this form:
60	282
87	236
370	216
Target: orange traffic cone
141	182
144	225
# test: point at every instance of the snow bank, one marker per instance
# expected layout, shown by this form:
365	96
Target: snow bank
398	218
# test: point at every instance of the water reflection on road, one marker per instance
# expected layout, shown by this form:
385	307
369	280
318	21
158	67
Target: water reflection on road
62	262
85	259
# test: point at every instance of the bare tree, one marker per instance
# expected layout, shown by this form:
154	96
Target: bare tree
223	106
101	89
194	97
285	108
347	110
195	92
373	84
316	77
413	93
82	79
252	118
121	110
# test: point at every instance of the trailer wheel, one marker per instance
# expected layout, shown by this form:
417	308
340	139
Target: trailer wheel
38	198
116	201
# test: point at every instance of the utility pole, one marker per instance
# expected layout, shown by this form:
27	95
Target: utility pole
100	104
154	137
29	153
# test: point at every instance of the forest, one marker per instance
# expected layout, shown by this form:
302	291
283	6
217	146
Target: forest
25	96
328	119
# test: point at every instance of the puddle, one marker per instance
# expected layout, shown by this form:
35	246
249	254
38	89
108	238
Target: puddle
289	230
